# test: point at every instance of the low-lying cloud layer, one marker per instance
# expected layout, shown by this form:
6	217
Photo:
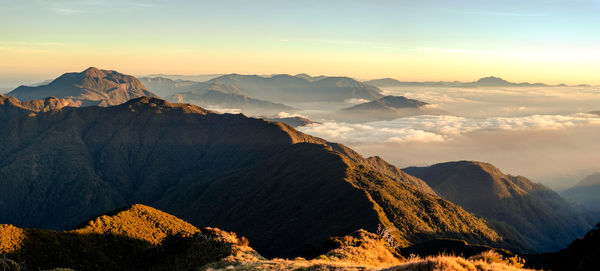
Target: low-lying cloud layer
440	128
556	150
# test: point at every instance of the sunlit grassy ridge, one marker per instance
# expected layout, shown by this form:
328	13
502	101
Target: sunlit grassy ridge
132	238
139	222
142	238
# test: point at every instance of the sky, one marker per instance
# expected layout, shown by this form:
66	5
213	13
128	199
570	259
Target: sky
552	41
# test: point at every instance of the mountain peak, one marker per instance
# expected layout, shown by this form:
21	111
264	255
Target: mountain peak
492	81
93	71
92	86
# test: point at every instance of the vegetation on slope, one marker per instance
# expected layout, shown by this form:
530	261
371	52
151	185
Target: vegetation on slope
284	190
517	208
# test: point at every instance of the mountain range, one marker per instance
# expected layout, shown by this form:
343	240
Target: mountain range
255	95
286	191
90	87
386	108
284	88
513	204
490	81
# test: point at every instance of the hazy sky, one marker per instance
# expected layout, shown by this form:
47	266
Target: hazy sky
536	40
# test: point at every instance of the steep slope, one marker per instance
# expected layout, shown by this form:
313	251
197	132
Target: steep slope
284	190
587	193
285	88
90	87
386	108
542	217
581	254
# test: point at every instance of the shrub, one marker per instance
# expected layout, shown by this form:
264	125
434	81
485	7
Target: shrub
9	265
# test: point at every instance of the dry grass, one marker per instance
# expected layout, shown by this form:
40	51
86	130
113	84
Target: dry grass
485	261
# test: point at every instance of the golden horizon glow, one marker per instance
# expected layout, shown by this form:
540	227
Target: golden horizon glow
433	41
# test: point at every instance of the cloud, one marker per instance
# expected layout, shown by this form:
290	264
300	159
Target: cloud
289	115
441	128
356	101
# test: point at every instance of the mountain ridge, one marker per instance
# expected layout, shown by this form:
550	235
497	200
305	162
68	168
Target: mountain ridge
535	211
283	189
489	81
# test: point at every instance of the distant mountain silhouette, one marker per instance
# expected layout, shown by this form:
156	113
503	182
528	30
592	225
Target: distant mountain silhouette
386	108
595	112
182	77
490	81
164	87
310	78
587	193
286	88
540	216
222	96
582	254
90	87
285	190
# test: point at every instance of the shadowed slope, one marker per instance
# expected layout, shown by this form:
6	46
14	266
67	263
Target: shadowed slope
539	215
90	87
283	189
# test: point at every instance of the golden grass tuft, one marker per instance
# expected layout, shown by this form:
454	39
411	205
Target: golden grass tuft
11	238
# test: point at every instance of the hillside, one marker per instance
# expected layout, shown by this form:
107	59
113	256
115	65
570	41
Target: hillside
386	108
587	193
284	190
539	215
90	87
